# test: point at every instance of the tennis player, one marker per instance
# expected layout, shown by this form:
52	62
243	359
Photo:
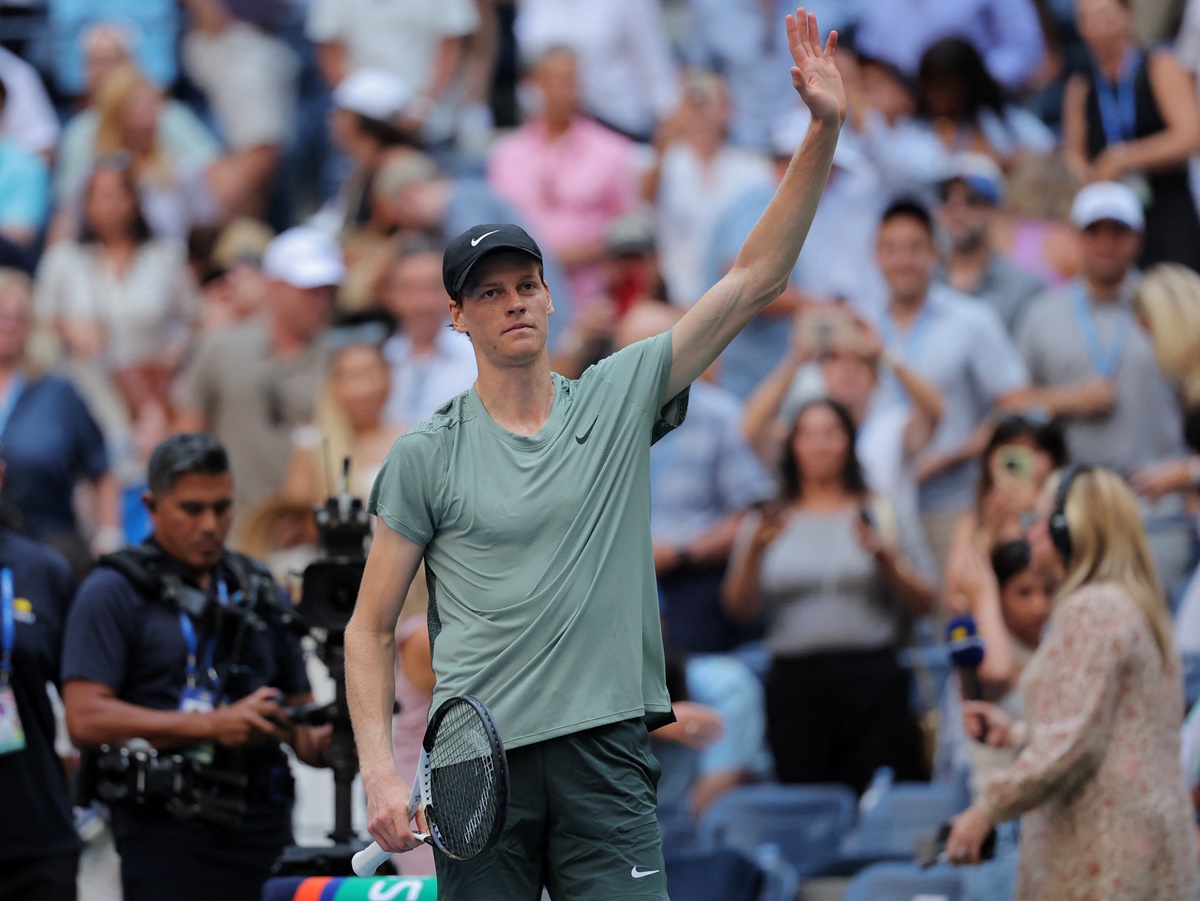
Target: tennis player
528	497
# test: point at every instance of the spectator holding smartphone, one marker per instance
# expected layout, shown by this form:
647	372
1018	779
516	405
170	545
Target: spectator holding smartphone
1018	459
825	568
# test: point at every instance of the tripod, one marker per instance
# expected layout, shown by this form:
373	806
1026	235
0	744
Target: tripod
331	860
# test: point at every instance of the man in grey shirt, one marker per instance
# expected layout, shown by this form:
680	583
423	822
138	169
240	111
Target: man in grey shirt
251	384
1095	369
971	198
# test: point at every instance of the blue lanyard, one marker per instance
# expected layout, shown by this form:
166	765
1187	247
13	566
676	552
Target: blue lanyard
189	639
16	386
1105	360
1116	100
7	602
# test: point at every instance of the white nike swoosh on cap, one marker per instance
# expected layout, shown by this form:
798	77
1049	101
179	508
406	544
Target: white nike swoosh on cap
475	242
641	874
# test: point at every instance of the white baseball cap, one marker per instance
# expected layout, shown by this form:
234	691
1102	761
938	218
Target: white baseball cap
1107	200
304	257
374	93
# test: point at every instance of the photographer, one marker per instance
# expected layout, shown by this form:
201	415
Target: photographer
39	850
181	644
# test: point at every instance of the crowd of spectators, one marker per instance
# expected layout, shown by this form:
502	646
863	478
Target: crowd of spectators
228	216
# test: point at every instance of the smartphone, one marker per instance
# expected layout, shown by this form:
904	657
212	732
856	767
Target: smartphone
824	332
1016	460
824	337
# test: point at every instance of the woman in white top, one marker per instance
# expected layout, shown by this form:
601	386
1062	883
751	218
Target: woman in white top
122	302
697	173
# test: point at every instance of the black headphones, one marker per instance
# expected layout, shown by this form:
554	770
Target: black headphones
1060	533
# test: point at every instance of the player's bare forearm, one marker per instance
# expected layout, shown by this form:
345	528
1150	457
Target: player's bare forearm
760	272
371	649
371	692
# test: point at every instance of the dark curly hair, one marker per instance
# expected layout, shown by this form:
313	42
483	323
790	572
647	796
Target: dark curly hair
792	479
958	59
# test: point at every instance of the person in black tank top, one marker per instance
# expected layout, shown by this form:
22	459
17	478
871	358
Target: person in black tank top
1131	116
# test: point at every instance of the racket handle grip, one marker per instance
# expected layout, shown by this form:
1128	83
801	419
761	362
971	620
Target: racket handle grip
369	859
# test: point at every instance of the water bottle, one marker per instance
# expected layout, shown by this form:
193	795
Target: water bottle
880	783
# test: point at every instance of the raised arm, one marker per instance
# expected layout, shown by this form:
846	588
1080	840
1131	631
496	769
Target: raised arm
761	270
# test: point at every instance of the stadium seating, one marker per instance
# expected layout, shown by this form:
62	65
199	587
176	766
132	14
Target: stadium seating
805	822
1191	679
726	874
904	813
905	882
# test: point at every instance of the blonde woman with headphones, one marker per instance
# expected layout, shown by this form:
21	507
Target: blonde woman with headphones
1097	777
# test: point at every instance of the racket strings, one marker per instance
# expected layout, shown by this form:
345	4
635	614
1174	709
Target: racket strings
464	783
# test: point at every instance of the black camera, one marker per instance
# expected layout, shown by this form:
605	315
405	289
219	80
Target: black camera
136	774
330	585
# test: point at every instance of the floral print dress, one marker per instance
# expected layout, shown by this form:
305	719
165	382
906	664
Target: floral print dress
1107	817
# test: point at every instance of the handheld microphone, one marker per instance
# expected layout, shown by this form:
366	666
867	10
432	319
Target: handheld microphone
966	654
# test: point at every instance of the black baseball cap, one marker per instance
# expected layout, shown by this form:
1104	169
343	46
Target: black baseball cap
477	242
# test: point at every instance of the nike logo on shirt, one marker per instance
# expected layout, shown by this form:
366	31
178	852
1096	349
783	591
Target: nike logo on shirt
580	439
475	241
641	874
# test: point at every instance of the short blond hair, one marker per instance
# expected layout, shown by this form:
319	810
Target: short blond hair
1169	303
1108	544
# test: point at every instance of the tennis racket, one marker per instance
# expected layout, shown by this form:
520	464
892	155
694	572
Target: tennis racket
461	785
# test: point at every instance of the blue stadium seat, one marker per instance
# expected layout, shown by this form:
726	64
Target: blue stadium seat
726	874
906	812
716	874
805	822
1191	679
906	882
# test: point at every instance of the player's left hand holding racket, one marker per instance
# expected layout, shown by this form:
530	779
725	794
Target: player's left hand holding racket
461	786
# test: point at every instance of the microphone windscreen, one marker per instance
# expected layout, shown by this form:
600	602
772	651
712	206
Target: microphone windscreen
963	641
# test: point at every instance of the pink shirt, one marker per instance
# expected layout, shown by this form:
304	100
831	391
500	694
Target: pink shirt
570	188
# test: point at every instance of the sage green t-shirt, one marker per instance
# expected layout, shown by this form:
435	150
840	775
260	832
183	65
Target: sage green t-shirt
542	598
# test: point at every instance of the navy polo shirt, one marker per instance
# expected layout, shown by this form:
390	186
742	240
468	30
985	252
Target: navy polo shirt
38	822
118	637
50	442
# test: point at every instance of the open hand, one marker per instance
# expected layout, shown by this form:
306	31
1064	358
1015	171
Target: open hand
815	76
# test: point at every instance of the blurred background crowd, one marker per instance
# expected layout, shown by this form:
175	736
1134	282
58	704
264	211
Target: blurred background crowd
228	215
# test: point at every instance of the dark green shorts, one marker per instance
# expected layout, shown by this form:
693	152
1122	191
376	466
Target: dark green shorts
581	821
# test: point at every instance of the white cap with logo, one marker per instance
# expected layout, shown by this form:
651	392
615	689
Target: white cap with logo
1107	200
304	257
